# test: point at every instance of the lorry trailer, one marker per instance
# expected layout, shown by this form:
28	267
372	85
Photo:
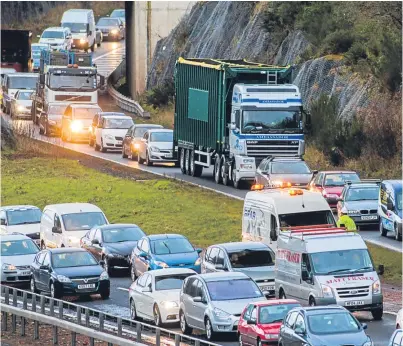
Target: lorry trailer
16	50
232	114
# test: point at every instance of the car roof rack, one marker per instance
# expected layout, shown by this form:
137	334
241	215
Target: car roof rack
324	229
363	181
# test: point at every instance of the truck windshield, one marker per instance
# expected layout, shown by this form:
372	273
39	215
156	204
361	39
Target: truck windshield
24	95
22	82
251	258
68	82
266	120
76	27
329	262
319	217
53	34
108	22
299	167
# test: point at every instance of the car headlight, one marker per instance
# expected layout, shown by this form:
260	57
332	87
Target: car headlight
110	137
83	40
168	304
221	315
136	146
9	267
353	211
376	287
161	264
368	343
20	108
51	122
327	291
154	149
114	31
271	336
198	262
63	278
76	126
104	276
244	166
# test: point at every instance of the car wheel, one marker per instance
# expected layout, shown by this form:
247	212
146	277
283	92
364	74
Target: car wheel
105	293
148	162
187	162
139	159
382	230
63	135
157	316
46	131
397	235
96	147
33	285
258	342
124	153
107	266
312	301
54	292
236	183
133	311
183	324
211	335
377	314
281	294
133	273
134	156
104	150
91	142
217	170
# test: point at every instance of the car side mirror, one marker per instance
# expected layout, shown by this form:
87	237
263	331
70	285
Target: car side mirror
299	331
143	254
199	251
199	300
364	326
42	79
46	267
315	172
3	222
263	172
146	289
339	199
251	322
56	230
101	263
95	241
381	269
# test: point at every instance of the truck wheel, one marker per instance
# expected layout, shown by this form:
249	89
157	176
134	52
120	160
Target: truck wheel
217	170
182	161
237	183
377	314
40	130
195	170
187	161
224	176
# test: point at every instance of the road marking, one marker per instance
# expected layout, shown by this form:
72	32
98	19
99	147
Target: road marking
123	289
384	245
109	53
390	313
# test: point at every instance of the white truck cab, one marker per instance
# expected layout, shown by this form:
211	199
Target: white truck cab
327	265
267	211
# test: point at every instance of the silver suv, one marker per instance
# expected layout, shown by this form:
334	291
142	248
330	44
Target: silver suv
254	259
214	302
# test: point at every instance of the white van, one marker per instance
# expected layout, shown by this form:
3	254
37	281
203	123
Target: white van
323	266
266	212
82	26
57	38
63	225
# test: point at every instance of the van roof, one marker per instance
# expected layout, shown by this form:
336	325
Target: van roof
84	105
71	208
239	246
24	74
284	203
17	207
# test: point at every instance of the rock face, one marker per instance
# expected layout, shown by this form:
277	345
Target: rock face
17	11
234	30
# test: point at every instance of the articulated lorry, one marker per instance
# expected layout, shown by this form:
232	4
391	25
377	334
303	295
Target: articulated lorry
65	77
16	50
232	114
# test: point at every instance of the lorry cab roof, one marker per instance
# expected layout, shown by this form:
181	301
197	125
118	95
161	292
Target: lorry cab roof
23	74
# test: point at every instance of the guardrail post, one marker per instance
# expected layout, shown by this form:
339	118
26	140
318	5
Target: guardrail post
4	320
92	342
36	330
101	321
34	302
197	343
22	326
60	309
13	323
177	339
24	300
52	307
15	297
79	316
43	304
138	330
73	338
7	296
87	317
55	335
119	326
158	337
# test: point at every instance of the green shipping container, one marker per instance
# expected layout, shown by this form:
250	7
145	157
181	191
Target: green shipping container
203	90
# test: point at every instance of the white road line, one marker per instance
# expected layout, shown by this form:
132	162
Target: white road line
384	245
390	312
123	289
109	53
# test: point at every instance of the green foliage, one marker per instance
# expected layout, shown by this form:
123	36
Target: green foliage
161	95
337	42
282	15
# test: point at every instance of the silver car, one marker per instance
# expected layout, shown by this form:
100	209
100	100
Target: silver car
214	302
21	104
254	259
17	254
156	146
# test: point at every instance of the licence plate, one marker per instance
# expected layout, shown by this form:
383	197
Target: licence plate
354	303
81	287
168	156
268	288
372	217
26	273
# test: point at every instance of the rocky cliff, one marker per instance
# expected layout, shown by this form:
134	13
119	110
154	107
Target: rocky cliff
235	30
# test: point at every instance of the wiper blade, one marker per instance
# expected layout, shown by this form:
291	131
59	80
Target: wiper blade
278	320
358	269
339	270
25	223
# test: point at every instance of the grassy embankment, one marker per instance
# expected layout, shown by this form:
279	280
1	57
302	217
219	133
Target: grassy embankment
54	175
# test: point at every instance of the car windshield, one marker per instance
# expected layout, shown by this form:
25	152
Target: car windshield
53	34
233	289
162	137
122	234
118	123
319	217
86	113
339	179
19	82
171	282
334	323
72	82
56	111
76	27
24	95
251	258
362	194
290	168
349	261
399	201
73	259
108	22
83	221
140	131
274	313
18	247
118	14
265	121
23	217
171	246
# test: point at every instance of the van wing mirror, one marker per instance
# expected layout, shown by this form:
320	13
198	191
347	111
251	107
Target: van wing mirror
305	275
3	222
56	230
381	269
389	205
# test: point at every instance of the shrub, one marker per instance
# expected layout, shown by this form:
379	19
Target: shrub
181	36
339	41
356	53
282	15
161	95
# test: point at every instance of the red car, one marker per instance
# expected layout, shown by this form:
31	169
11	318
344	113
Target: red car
260	322
331	184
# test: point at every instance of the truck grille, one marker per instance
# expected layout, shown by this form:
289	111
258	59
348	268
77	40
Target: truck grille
266	148
366	212
353	292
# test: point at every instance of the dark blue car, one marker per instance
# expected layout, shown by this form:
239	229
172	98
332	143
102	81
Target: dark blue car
325	325
164	251
68	272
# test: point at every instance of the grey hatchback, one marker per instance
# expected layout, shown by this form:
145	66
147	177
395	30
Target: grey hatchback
327	325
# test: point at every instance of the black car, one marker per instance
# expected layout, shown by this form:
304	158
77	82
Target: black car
113	244
325	325
50	120
68	272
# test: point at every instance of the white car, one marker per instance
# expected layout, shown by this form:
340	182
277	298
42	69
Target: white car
156	146
57	38
21	104
110	132
24	219
154	295
17	254
399	319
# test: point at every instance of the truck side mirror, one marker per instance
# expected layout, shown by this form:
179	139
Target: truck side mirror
389	205
232	126
42	78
